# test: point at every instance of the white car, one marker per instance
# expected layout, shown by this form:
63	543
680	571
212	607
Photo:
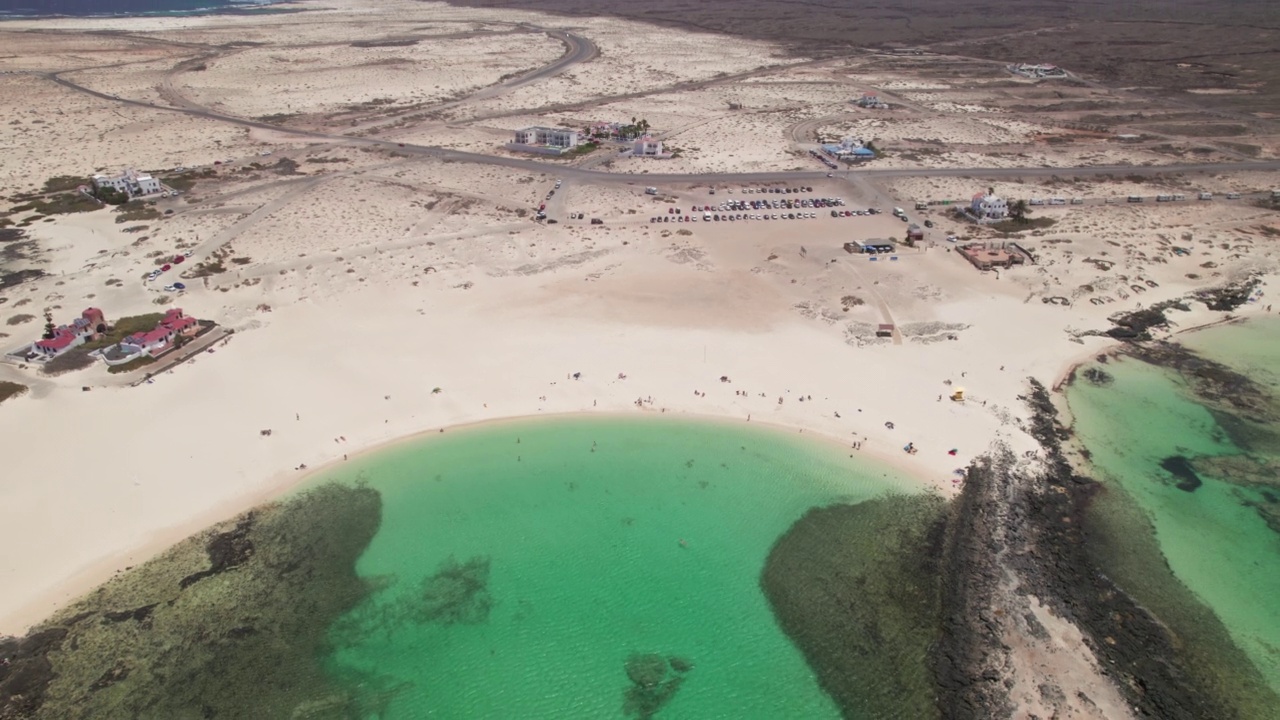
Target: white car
170	288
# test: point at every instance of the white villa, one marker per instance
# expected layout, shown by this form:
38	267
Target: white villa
129	182
988	207
648	147
871	100
545	140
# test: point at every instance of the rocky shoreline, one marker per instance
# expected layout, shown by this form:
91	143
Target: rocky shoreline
1022	534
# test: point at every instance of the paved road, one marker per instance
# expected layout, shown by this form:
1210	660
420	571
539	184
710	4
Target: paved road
601	176
579	49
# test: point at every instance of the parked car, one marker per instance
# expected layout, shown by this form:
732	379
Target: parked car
170	288
179	259
597	221
179	286
166	267
928	223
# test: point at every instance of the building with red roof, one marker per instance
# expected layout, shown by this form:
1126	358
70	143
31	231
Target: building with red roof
89	326
162	337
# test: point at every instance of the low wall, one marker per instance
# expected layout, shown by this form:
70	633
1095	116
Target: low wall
537	149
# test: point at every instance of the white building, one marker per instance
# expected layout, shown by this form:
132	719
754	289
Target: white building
129	182
988	207
646	147
550	137
871	100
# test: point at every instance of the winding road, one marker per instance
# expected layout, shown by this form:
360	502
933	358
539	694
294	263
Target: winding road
439	153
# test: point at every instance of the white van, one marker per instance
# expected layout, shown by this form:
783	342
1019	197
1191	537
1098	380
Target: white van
899	212
651	191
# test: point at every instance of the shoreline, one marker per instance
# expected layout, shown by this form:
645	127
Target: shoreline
280	485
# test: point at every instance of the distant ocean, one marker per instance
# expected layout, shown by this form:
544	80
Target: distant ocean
99	8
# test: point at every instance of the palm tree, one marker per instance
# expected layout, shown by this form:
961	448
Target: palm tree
1018	211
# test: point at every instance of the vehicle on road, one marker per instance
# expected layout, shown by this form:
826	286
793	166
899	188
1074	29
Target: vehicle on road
1206	196
597	221
179	286
1233	196
1135	198
928	223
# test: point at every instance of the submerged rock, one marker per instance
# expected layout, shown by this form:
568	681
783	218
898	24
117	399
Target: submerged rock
1180	468
1097	376
654	682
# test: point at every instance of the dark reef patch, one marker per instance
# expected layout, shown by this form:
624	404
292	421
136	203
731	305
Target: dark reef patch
1098	376
1180	468
226	550
654	682
181	637
457	593
856	588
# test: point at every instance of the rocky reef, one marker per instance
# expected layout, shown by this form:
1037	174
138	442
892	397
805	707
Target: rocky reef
856	589
230	623
1136	325
654	682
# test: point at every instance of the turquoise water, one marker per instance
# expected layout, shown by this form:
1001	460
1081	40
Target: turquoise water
1220	548
581	523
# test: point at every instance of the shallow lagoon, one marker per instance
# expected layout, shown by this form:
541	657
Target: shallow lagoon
521	564
1213	537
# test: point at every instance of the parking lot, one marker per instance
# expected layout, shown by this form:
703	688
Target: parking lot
773	203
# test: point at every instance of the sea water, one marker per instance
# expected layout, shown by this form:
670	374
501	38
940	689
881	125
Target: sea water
1215	543
592	540
94	8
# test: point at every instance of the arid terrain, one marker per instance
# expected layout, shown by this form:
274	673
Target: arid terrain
353	217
